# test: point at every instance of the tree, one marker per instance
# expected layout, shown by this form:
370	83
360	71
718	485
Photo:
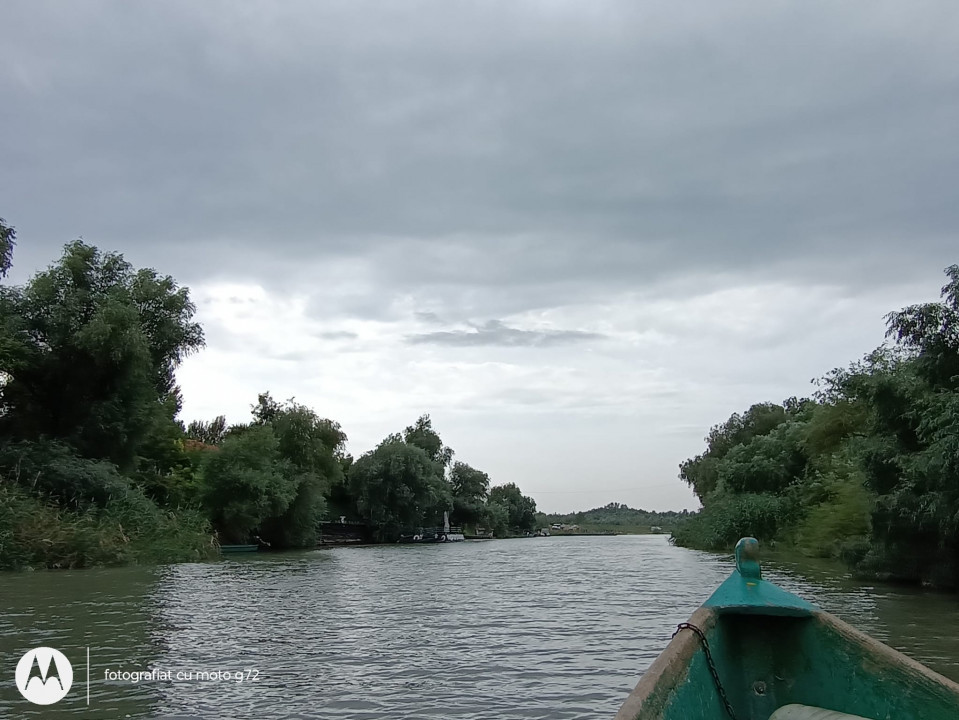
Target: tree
396	488
520	509
702	472
266	409
766	463
209	433
312	450
166	466
8	320
470	489
8	238
52	469
931	332
422	435
283	500
245	482
868	471
88	350
91	351
496	518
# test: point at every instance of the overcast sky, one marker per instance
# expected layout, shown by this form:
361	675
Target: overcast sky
577	234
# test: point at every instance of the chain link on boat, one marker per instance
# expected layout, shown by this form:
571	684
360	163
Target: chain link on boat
710	664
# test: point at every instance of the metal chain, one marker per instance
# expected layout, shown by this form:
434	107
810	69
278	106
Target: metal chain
710	664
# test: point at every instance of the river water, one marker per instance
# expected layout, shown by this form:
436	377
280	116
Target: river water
553	628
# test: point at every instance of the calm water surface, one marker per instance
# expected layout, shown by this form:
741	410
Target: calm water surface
505	630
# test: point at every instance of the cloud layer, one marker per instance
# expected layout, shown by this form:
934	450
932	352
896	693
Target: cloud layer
495	332
577	233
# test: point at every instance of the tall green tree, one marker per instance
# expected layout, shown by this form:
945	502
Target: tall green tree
470	488
312	449
520	509
91	352
87	354
422	435
930	333
245	483
496	519
208	432
702	472
396	488
299	457
769	463
165	468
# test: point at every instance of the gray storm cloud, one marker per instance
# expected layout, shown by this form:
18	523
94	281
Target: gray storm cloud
614	142
669	209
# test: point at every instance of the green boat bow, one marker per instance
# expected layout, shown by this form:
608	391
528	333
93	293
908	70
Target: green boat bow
756	652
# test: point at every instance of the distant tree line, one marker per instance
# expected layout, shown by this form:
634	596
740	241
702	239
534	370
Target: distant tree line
867	470
97	468
616	517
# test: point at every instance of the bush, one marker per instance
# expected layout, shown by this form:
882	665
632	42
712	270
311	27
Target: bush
727	517
36	532
54	469
245	483
838	514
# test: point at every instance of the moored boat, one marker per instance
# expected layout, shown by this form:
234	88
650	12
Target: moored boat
225	549
444	534
479	535
756	652
259	544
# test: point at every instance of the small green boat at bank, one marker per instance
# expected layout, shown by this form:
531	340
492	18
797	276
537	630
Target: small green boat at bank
756	652
229	549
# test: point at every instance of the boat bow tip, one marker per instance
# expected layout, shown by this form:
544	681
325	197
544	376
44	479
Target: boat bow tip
745	592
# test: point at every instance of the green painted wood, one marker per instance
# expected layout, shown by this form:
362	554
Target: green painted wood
808	712
773	649
238	548
744	591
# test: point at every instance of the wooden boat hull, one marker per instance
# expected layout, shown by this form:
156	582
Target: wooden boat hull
227	549
770	655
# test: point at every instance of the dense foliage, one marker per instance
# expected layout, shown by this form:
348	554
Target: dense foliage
96	468
398	486
409	481
88	349
867	470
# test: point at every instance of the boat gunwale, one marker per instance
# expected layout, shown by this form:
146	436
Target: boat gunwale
874	648
651	695
669	668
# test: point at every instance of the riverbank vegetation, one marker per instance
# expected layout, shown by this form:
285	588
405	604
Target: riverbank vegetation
867	470
613	518
97	468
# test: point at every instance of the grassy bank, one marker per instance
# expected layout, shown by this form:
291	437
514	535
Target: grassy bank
129	529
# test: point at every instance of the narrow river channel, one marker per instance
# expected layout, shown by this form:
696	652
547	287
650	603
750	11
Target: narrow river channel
504	630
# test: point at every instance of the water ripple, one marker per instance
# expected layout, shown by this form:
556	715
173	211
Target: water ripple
536	628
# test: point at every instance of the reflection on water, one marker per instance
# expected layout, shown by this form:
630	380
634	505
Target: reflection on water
105	610
536	628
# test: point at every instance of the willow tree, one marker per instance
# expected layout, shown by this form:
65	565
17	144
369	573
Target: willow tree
470	489
396	488
91	346
520	509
